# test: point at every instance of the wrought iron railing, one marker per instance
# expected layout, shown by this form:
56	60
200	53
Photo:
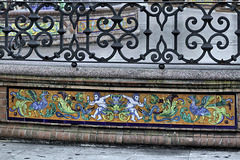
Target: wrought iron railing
130	32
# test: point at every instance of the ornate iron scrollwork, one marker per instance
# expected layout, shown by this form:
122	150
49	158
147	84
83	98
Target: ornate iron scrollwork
76	51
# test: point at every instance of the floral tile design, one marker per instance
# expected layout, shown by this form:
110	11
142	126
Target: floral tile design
123	108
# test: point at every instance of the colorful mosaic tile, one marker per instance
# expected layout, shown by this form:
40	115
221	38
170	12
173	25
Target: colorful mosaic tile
123	108
93	24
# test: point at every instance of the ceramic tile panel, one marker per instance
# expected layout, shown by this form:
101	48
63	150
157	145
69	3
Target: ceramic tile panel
201	110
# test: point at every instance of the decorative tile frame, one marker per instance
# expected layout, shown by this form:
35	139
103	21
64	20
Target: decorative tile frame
185	110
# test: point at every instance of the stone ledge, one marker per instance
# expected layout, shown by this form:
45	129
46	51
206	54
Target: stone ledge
122	73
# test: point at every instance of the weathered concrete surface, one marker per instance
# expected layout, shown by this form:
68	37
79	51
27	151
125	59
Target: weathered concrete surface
21	151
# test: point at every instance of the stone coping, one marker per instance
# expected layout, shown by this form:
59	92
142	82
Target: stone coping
129	72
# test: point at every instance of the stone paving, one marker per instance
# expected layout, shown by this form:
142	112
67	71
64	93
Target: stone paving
11	150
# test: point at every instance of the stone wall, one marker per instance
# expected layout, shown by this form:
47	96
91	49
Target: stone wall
124	81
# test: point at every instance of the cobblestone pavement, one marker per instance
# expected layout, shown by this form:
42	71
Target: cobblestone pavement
10	150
